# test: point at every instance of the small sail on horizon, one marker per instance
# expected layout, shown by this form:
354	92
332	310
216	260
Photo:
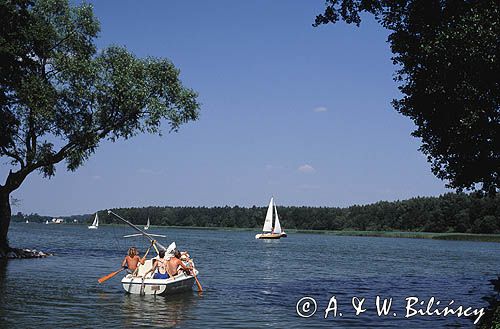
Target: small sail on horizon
95	223
270	231
147	225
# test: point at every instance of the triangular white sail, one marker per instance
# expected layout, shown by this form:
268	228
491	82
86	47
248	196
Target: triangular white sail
277	225
170	249
147	225
95	223
268	223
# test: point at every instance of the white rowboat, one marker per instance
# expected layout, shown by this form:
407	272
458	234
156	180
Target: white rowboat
142	285
149	286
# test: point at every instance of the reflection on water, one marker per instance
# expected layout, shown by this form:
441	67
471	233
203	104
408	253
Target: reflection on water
157	311
248	283
3	282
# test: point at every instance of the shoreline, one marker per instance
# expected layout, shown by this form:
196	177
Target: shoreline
381	234
22	253
378	234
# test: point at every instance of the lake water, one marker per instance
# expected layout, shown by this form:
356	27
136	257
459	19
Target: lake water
247	283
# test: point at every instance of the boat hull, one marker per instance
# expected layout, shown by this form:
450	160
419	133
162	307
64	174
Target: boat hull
161	287
92	227
268	236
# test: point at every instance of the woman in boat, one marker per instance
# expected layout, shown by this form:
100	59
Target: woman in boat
132	259
159	267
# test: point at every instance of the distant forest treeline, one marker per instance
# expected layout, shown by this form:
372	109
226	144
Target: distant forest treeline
451	212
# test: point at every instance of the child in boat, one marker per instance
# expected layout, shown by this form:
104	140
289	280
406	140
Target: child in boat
132	259
160	264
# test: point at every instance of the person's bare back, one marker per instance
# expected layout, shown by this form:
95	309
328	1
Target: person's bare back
174	264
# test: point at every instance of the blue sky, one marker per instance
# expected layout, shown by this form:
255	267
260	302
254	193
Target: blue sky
289	110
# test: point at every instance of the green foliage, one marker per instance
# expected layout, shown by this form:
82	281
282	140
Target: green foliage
60	97
449	74
450	213
491	318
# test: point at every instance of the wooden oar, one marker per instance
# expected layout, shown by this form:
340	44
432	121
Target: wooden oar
142	261
154	245
200	289
110	275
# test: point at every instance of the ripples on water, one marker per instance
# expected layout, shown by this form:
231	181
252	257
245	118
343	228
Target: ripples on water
247	283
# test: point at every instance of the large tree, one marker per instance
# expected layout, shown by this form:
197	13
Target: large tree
60	98
447	54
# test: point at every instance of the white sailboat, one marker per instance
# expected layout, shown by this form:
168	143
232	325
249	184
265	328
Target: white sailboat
46	222
147	225
95	223
270	231
27	221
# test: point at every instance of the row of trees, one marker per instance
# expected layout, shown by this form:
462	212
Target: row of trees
465	213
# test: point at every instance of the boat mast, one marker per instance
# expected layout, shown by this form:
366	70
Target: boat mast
137	229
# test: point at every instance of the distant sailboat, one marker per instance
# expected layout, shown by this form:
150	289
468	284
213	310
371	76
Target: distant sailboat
95	223
270	232
46	222
140	234
27	221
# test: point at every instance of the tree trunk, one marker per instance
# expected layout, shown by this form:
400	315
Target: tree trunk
5	213
14	180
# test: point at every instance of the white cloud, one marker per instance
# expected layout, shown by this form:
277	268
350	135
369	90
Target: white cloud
306	168
320	109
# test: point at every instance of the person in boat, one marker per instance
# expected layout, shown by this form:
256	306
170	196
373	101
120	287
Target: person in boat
132	260
159	267
175	264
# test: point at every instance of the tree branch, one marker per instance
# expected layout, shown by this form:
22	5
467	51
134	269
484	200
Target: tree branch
15	179
62	40
15	156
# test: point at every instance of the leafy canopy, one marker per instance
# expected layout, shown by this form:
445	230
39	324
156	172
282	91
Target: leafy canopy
447	54
59	97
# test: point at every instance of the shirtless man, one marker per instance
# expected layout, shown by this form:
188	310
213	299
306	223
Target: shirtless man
175	264
132	259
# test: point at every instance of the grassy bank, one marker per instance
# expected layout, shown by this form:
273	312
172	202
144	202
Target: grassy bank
384	234
412	235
